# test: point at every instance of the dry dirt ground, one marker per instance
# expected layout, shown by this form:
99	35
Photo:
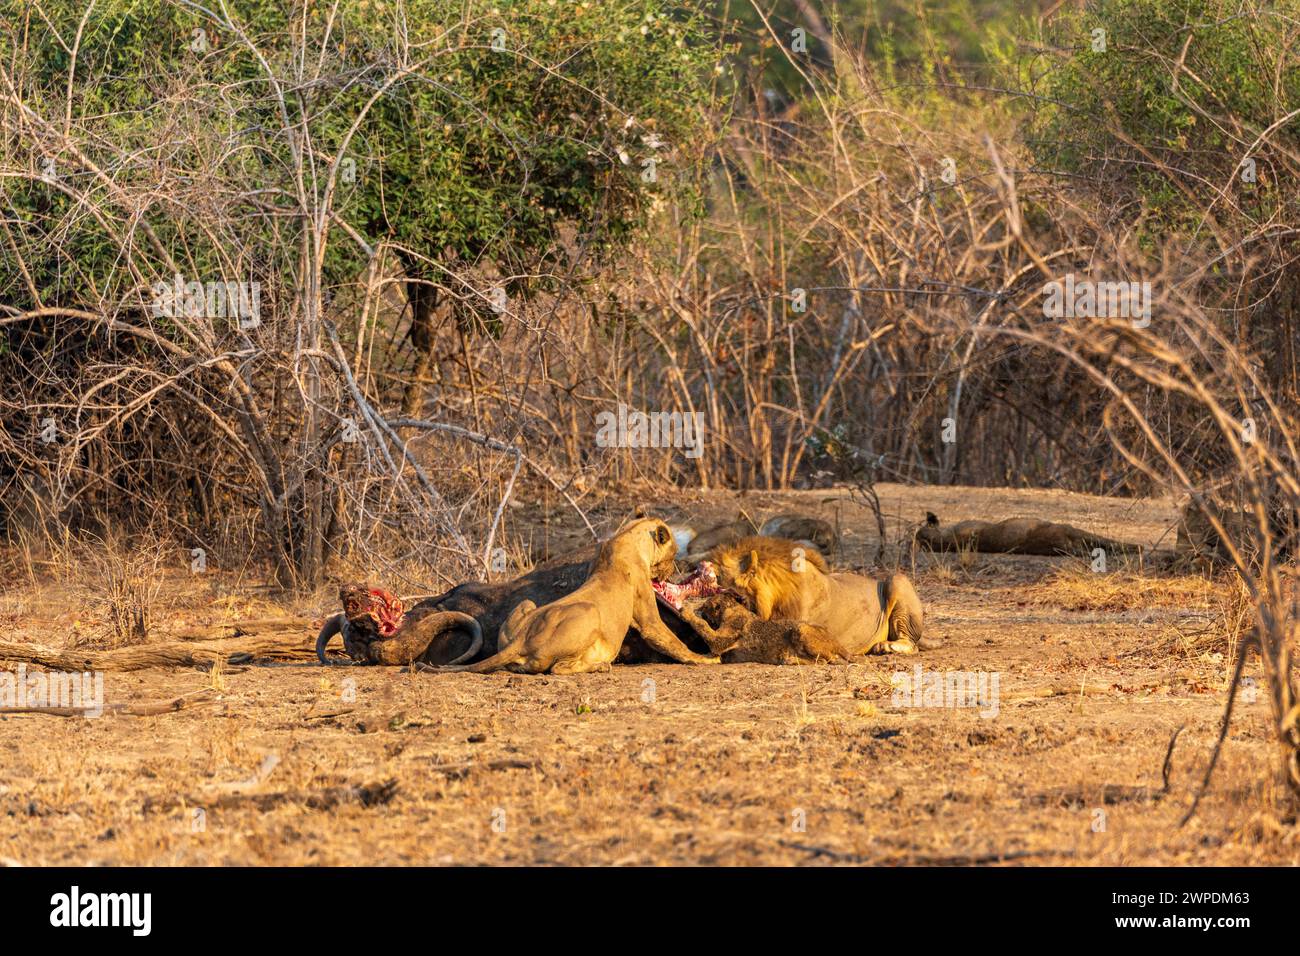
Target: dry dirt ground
666	764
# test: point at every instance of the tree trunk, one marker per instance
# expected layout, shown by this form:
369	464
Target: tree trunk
424	302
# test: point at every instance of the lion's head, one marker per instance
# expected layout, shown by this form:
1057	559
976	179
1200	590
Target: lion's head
649	542
769	575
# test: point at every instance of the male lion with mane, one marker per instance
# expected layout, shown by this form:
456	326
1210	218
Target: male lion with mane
781	579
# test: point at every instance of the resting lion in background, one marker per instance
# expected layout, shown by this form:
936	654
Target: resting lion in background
584	631
1016	536
697	546
1199	538
779	579
795	527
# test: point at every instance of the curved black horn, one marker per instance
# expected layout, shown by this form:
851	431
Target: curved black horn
476	634
411	642
333	625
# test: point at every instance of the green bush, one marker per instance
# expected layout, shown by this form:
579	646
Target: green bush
481	147
1173	104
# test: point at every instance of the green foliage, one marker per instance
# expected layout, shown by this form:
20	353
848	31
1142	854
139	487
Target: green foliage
1169	109
469	146
494	153
903	35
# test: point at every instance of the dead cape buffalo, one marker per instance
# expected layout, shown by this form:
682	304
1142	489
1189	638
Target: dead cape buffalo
462	625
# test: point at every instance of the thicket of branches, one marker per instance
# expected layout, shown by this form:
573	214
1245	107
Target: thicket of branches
368	179
474	229
469	243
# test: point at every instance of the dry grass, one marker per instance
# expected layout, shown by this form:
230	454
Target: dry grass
962	565
1076	587
122	583
35	553
585	769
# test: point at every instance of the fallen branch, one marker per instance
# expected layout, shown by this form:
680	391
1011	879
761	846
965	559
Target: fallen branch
458	771
1106	794
281	645
368	795
1060	690
962	859
246	628
325	715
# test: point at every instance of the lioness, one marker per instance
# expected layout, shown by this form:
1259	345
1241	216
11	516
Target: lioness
802	528
1199	538
699	545
584	631
795	527
1016	536
778	578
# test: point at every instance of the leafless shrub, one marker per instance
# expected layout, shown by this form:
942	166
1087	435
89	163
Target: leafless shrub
122	582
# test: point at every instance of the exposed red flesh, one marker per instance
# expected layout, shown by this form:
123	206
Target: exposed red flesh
701	582
387	611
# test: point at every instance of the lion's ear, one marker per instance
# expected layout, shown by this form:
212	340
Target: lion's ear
640	511
753	561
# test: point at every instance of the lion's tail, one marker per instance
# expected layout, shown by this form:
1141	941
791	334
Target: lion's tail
511	654
902	609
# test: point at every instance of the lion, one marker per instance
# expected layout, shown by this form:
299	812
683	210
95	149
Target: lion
802	528
781	579
1198	537
699	545
1016	536
584	631
796	527
739	636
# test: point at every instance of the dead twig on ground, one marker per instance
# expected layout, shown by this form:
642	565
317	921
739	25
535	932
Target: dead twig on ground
367	795
458	771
